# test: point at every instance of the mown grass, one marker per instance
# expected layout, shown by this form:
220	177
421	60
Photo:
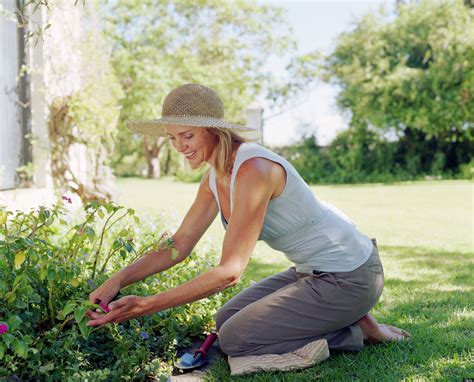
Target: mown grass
425	235
429	293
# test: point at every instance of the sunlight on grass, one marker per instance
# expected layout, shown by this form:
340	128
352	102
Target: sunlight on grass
436	215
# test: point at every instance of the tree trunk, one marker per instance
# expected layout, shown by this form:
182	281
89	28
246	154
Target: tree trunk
154	170
152	149
168	161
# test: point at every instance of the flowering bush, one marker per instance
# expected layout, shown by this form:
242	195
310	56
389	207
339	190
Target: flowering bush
49	265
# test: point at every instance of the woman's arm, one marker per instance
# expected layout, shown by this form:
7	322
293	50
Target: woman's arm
254	186
198	219
201	214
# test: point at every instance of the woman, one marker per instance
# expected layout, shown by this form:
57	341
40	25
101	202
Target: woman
325	298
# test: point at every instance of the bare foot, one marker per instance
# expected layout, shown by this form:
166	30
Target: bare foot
375	332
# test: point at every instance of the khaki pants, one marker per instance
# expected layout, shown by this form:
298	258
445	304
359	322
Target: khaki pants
288	310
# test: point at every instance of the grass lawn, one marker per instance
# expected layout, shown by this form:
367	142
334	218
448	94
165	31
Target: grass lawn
425	235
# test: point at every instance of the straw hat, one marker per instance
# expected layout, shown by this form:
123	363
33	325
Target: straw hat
190	105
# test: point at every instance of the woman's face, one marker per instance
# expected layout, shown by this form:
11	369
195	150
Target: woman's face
197	144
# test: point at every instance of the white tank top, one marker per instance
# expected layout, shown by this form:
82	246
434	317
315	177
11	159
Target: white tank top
314	235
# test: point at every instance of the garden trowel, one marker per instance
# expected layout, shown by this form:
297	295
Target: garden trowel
190	361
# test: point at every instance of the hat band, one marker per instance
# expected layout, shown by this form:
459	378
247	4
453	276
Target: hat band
201	121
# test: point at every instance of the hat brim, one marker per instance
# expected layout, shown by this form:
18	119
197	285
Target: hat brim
156	127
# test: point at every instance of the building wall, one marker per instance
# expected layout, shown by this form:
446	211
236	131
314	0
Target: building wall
10	129
55	64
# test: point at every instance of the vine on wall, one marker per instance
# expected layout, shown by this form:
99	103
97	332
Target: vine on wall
87	117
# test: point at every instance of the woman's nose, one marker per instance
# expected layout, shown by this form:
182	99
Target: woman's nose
181	146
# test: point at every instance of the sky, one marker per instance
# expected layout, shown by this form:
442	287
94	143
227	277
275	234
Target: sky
316	24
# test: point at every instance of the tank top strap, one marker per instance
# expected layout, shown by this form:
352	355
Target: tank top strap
213	186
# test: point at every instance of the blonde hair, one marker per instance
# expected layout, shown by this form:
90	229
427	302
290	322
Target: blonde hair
226	138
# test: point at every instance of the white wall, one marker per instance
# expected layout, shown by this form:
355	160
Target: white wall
10	129
55	64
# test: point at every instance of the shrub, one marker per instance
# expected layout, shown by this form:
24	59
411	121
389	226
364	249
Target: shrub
48	267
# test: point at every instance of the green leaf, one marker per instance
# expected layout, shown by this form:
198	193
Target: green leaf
20	348
21	304
14	322
28	340
48	367
43	273
117	243
100	213
117	350
174	253
17	281
85	330
10	296
69	307
128	247
2	350
123	254
51	274
80	313
8	339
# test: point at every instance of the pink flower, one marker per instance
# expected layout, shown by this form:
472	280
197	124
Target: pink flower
105	307
3	328
67	199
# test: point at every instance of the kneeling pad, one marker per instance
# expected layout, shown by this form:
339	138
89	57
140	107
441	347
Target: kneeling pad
306	356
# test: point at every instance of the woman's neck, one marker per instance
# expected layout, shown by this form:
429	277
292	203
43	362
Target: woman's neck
226	178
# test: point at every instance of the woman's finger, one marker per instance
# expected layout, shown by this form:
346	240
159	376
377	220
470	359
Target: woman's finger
99	321
93	315
118	315
118	304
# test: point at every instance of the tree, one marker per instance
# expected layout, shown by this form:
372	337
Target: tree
158	45
410	75
416	71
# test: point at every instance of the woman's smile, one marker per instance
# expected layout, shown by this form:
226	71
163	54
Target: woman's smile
190	155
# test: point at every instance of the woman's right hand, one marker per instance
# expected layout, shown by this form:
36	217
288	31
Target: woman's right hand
104	294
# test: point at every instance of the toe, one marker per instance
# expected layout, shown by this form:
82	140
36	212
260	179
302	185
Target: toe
400	333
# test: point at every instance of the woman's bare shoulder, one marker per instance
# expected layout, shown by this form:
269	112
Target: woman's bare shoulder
259	166
260	169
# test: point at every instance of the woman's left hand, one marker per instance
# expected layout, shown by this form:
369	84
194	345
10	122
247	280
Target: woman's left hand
126	308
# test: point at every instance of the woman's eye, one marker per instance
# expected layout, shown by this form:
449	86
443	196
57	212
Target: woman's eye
188	136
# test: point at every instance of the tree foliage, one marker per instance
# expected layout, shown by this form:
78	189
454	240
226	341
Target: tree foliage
158	45
416	71
407	83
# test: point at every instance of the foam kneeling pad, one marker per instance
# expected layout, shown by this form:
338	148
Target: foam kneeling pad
306	356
